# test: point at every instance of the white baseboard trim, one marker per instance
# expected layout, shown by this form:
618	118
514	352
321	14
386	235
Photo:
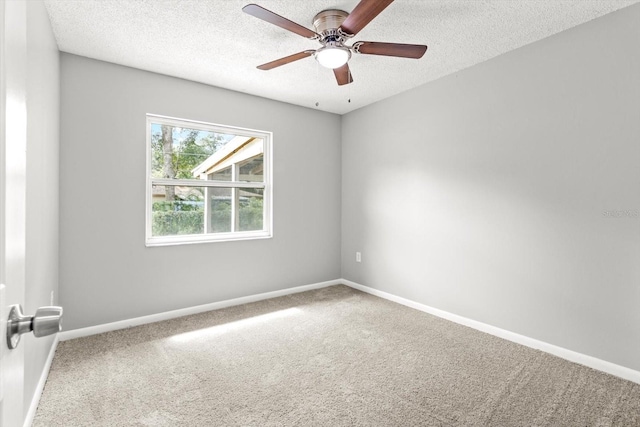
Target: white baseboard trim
33	407
570	355
137	321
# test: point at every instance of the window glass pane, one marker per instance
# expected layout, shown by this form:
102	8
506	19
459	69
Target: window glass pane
220	209
191	153
221	175
252	169
176	152
251	209
177	210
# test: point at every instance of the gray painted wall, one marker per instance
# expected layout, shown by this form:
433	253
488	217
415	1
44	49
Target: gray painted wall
485	193
106	272
43	118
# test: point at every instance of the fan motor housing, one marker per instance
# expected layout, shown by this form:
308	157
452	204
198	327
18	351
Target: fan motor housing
329	20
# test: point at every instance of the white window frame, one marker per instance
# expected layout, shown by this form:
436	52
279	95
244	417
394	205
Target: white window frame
267	138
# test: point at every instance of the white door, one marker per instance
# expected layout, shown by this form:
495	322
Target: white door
13	141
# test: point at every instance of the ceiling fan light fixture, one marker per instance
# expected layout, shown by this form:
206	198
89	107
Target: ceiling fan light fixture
333	56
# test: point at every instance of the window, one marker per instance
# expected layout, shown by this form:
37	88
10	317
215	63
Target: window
206	182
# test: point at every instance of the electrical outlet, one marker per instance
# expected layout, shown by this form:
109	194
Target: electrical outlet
358	257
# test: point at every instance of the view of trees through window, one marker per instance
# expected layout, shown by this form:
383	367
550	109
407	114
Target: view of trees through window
206	168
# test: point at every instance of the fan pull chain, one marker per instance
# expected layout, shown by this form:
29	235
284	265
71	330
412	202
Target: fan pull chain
350	91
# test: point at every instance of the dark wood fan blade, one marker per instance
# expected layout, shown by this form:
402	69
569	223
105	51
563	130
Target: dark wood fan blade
343	75
362	14
391	49
286	60
275	19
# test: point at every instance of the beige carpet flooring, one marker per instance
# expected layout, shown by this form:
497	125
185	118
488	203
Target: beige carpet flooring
329	357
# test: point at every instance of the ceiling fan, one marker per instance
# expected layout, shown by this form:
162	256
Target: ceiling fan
333	29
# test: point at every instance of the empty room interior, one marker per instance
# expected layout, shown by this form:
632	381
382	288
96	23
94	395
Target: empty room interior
322	213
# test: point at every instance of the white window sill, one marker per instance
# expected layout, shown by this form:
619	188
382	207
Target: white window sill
206	238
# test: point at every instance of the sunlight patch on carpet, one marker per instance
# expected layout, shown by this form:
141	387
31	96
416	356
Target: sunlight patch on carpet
235	326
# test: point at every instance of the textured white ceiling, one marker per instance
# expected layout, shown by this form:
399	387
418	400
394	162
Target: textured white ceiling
214	42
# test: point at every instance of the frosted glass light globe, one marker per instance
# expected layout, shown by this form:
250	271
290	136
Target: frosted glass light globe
332	57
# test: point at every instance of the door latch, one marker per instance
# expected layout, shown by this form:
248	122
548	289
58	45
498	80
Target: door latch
46	321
